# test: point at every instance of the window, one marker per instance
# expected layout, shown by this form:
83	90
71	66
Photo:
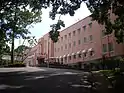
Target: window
69	45
85	54
69	35
65	46
79	55
110	46
79	42
84	27
61	38
91	53
61	59
90	25
104	48
69	57
58	59
73	33
79	31
65	59
85	39
65	37
74	56
58	49
90	37
74	43
61	48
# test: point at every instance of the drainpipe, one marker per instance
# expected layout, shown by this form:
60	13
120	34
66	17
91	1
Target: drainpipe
48	53
108	47
68	50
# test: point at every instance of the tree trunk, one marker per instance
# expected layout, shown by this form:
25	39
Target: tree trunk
12	49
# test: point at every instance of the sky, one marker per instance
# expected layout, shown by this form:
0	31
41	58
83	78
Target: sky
43	27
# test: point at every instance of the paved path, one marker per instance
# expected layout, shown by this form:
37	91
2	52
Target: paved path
40	80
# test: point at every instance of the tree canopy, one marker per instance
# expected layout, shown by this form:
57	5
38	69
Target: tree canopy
15	16
20	48
101	11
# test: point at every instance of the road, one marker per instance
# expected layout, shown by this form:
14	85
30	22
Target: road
40	80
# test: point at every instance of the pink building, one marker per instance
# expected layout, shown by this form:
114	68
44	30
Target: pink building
30	58
46	48
82	42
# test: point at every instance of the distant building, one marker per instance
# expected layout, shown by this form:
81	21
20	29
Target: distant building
82	42
6	57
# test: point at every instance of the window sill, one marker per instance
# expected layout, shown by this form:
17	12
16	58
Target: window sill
111	52
106	36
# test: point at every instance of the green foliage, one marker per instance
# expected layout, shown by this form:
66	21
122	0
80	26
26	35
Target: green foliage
17	19
102	11
15	16
109	73
4	48
16	64
32	41
20	48
61	7
54	33
115	78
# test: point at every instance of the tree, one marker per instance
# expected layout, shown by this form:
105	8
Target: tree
20	48
19	51
15	16
54	33
4	49
32	41
101	11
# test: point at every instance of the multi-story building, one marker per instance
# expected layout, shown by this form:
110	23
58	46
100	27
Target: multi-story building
46	49
42	52
82	42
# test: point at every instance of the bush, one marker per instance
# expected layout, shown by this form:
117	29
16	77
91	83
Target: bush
115	78
16	64
108	64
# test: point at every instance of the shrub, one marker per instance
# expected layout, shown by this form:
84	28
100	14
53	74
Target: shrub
115	78
16	64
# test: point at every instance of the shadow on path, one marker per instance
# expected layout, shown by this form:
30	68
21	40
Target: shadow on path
39	82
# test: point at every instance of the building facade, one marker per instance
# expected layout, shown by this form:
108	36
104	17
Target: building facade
42	52
82	42
30	56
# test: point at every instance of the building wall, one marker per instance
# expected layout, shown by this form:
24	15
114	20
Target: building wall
118	49
88	36
40	45
31	56
95	43
47	42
